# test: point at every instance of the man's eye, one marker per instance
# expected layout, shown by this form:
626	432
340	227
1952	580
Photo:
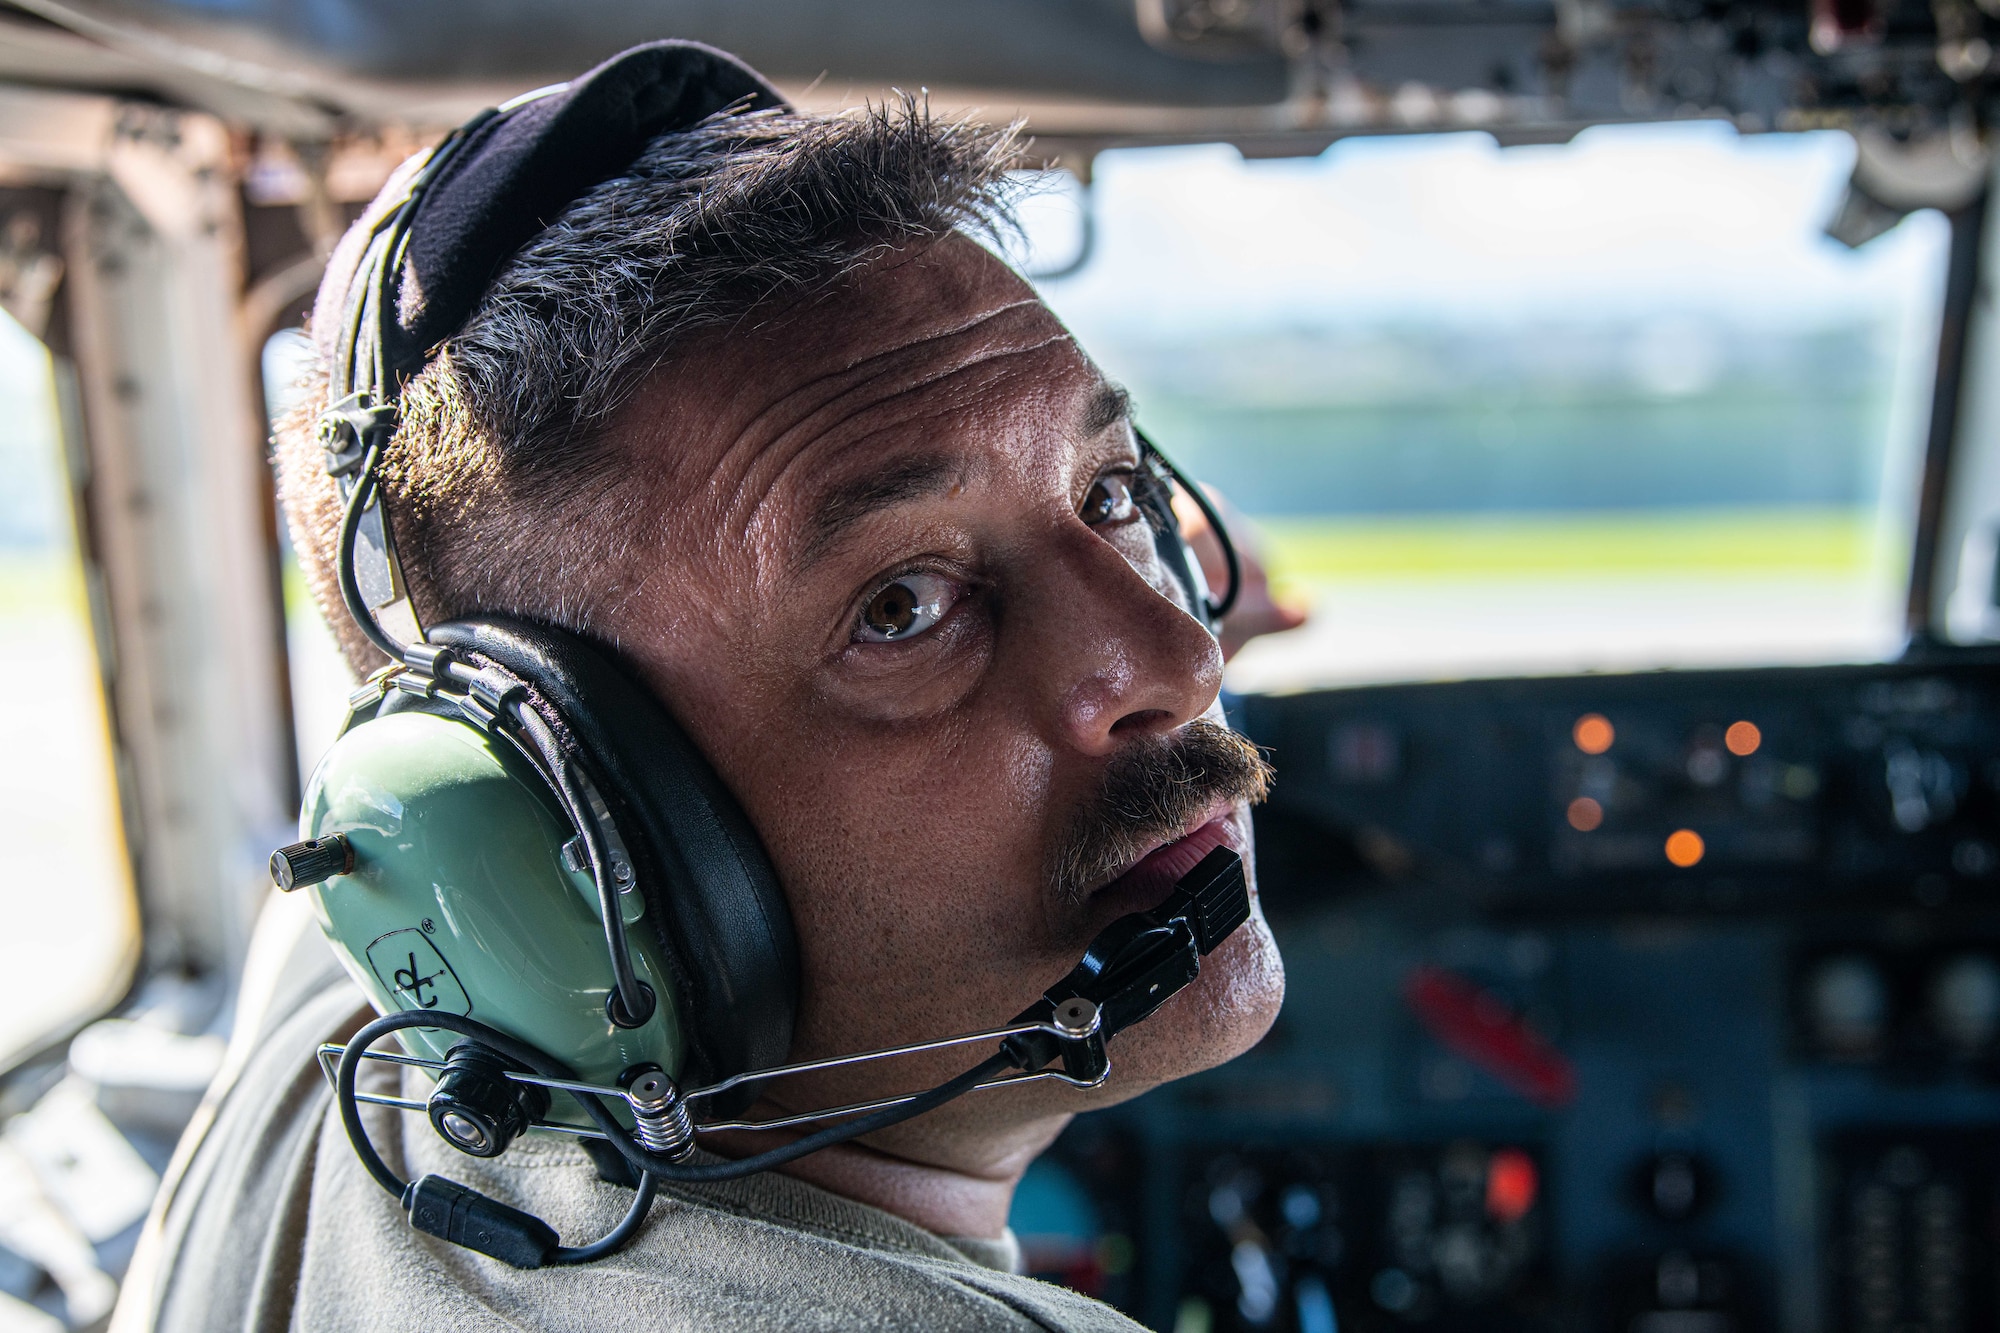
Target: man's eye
906	608
1110	500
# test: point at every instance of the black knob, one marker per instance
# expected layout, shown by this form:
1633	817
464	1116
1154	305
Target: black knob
307	863
1675	1185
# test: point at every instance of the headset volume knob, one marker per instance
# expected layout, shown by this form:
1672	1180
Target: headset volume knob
304	864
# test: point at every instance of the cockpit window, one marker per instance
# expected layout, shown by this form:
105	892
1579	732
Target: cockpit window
1618	403
72	926
320	679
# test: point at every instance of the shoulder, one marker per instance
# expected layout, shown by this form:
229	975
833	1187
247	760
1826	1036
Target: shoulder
1043	1305
860	1266
731	1271
230	1216
270	1221
755	1255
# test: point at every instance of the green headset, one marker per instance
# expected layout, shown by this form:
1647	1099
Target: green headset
529	869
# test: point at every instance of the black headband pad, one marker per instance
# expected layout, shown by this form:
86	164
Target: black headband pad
519	171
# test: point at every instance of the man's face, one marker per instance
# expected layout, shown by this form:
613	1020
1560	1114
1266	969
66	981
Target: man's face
900	597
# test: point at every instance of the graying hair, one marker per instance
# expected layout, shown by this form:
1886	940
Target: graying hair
501	496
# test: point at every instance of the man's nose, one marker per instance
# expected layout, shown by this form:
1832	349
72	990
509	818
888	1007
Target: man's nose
1118	658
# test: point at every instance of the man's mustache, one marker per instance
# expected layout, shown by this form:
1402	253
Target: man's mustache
1149	793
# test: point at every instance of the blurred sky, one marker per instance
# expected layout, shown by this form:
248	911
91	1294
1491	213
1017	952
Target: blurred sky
31	504
1621	222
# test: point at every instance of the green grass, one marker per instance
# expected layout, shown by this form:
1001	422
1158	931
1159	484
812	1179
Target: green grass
39	583
1704	543
1832	543
299	605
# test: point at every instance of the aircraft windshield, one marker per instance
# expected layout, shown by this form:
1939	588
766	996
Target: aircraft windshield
72	927
1613	404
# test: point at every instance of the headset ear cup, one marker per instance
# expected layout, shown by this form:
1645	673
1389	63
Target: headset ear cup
715	903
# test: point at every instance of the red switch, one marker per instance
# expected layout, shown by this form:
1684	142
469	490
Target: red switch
1478	1026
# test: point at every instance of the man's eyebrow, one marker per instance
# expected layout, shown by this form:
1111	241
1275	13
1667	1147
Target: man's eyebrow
1106	408
844	505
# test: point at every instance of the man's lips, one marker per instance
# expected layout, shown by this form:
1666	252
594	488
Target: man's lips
1148	882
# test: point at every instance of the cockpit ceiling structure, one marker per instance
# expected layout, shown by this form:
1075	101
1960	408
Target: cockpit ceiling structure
1275	76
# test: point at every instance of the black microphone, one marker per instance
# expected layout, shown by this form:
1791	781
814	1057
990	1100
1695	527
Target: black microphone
1135	965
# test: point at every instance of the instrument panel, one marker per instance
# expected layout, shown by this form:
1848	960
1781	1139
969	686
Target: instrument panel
1727	791
1662	1003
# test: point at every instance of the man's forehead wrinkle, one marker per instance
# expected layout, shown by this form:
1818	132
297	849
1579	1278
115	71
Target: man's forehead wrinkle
826	389
849	502
765	445
1028	305
791	451
950	380
831	377
713	363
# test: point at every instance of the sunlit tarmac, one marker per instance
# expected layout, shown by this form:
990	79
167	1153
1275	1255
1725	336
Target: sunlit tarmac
1434	597
71	932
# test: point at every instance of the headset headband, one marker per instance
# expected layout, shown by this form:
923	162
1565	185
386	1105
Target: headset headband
444	228
506	175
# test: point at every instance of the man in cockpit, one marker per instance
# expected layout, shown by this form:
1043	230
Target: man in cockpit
760	411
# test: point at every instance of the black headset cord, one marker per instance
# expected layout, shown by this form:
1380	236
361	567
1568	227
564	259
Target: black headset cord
523	1239
358	610
1217	607
632	1000
451	1211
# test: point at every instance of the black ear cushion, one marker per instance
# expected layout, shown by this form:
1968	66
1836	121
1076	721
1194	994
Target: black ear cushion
714	901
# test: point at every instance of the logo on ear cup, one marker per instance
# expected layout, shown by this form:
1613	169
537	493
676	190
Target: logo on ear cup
410	967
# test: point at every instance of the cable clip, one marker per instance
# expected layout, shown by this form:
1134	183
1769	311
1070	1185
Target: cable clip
349	427
487	695
428	659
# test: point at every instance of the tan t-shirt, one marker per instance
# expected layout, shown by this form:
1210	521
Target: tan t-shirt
268	1222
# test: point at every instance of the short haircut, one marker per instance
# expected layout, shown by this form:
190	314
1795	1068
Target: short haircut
500	492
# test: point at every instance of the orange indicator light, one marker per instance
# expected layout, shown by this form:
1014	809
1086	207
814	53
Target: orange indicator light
1685	847
1742	738
1592	733
1585	814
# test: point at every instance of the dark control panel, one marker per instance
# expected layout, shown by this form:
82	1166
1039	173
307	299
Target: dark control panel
1649	1004
1759	790
1446	1235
